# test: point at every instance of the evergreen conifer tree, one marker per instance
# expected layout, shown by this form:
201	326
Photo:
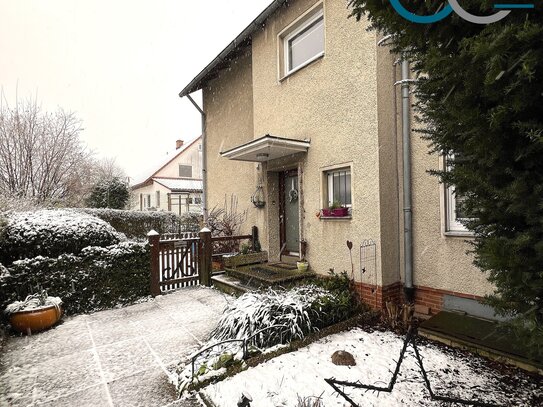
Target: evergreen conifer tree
480	94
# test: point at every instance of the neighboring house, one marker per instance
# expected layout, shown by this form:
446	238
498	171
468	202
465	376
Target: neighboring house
175	184
303	103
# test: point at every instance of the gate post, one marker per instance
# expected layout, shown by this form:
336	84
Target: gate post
154	243
254	239
206	253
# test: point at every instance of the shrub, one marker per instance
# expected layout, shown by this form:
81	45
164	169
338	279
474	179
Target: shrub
109	193
136	224
302	310
97	278
226	221
52	233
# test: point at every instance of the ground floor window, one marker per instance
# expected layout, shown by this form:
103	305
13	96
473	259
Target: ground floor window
146	198
338	184
456	214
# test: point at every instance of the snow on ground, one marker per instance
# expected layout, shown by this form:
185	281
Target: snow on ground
283	380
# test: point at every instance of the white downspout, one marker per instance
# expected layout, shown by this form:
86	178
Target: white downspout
409	289
204	159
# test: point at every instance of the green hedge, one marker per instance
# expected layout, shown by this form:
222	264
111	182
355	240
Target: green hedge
136	224
97	278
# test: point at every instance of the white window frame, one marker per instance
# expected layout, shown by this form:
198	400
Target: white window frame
325	195
330	184
453	225
301	24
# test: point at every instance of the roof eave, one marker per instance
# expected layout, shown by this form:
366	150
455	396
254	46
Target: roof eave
245	36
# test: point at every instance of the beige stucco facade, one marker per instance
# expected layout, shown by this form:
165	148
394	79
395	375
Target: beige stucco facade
345	103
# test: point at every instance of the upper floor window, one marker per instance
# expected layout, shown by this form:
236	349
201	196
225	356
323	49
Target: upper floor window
303	42
456	213
185	171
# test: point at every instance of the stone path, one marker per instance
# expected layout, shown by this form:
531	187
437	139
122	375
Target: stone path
109	358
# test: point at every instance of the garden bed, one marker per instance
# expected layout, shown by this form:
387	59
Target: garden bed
300	375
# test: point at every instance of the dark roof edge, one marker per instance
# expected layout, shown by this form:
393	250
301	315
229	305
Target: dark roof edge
196	83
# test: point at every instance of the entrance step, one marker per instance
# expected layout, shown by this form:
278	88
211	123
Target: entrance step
229	285
286	258
261	276
480	336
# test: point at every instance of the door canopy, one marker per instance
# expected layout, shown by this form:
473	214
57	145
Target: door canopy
266	148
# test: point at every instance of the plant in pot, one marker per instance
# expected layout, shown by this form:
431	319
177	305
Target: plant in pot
302	265
36	313
247	255
336	209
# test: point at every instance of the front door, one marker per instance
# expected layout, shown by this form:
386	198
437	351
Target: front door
290	213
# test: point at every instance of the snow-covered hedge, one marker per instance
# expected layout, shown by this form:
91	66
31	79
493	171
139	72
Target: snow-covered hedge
52	232
136	224
96	278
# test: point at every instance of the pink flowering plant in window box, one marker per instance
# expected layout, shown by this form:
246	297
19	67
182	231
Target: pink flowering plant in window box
335	210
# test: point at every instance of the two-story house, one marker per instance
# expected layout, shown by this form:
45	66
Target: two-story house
175	183
306	105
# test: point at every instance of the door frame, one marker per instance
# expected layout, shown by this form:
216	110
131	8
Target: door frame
282	228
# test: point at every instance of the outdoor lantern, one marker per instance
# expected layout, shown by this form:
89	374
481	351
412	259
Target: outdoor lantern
258	197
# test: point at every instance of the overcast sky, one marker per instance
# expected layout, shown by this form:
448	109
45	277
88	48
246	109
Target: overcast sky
119	64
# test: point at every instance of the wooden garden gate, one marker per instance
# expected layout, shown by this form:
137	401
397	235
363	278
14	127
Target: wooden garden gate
185	259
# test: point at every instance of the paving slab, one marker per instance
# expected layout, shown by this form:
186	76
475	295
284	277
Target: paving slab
110	358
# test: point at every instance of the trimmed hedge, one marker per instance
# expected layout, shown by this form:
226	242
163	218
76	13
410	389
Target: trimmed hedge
136	224
97	278
52	232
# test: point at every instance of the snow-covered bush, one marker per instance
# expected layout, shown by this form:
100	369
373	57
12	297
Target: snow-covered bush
51	233
136	224
295	313
3	272
96	278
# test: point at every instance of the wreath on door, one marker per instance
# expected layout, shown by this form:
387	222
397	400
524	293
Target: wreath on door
293	193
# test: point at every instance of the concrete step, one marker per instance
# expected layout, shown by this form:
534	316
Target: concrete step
229	284
285	258
267	275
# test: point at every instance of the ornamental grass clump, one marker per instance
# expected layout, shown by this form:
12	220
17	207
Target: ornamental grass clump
286	315
35	301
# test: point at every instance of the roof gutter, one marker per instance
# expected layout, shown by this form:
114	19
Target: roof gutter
257	23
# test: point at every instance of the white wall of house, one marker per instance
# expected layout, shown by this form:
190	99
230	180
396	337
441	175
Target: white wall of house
191	157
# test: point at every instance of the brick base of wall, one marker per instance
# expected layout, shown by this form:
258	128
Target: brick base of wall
427	300
377	296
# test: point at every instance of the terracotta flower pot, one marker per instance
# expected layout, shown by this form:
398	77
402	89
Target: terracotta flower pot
35	320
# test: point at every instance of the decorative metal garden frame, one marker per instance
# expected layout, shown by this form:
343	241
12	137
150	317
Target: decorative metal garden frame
411	338
244	343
